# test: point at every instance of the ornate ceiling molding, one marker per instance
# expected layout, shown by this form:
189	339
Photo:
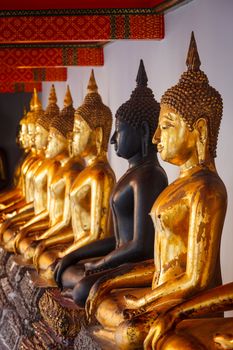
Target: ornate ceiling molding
32	74
45	29
50	56
19	87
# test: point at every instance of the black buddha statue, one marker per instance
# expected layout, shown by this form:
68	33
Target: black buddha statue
132	198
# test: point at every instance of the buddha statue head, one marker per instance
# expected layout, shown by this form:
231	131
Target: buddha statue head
190	117
44	121
61	126
33	115
22	139
92	123
136	120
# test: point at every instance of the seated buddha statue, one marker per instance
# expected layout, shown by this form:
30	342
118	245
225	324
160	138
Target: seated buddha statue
188	215
56	157
90	193
21	207
14	197
181	327
132	198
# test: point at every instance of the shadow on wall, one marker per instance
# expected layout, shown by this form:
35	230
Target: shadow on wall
11	111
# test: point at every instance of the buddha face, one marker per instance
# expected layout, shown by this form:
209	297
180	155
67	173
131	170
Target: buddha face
126	140
41	137
22	137
175	142
81	136
31	135
56	144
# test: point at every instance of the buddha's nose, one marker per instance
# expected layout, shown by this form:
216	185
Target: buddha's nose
113	138
156	137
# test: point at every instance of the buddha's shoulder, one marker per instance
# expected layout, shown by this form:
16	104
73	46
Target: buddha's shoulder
151	173
206	180
101	169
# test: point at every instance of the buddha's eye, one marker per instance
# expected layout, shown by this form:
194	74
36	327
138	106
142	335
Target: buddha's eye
166	126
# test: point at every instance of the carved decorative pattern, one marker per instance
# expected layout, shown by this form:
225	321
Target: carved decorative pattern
8	74
19	87
77	28
51	56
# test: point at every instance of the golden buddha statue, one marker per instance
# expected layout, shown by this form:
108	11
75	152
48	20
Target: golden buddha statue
56	157
188	215
21	207
173	330
10	197
89	211
41	139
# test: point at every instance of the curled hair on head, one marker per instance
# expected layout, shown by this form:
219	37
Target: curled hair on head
52	110
95	112
193	98
64	121
141	106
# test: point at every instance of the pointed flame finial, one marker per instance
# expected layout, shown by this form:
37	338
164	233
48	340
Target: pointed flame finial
141	76
68	101
37	103
92	86
52	95
32	103
193	60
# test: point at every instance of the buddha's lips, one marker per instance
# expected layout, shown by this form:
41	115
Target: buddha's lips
160	148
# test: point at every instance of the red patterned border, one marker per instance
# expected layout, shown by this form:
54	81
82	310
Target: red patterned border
32	74
78	28
20	87
51	57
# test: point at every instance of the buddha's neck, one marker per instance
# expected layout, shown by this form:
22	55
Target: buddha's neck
62	157
191	167
92	158
40	153
138	158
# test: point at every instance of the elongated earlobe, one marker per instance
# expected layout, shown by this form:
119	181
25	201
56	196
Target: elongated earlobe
99	139
145	135
202	140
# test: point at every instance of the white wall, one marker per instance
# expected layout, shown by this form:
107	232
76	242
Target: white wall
164	60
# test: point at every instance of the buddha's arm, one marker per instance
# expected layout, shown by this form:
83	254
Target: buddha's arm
214	300
207	213
35	219
17	202
11	194
132	275
16	219
65	218
136	249
51	242
97	188
16	209
91	250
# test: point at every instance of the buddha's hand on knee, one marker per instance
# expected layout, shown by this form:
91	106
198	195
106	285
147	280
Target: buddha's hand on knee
133	302
4	225
96	295
60	268
224	341
20	234
164	323
38	251
2	206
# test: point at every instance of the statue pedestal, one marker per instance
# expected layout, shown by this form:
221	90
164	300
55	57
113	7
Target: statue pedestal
37	318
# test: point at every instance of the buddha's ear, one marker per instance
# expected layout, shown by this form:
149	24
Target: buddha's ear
201	129
145	137
99	138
